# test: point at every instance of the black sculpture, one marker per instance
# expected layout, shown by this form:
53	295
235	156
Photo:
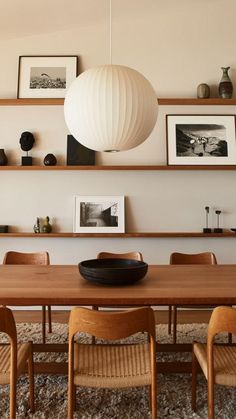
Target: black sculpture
218	229
26	142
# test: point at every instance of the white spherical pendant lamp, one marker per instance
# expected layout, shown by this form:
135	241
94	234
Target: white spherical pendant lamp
111	108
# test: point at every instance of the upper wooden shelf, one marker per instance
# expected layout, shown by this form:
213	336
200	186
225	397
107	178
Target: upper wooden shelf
161	101
122	235
128	167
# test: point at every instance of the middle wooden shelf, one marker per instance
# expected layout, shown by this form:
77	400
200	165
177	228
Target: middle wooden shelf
227	233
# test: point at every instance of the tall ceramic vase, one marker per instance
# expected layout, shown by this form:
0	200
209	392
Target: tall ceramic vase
3	157
225	86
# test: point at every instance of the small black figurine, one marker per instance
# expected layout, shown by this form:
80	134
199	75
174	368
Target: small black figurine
206	229
26	142
218	229
37	226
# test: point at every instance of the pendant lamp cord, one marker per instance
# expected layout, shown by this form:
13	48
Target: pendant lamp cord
110	33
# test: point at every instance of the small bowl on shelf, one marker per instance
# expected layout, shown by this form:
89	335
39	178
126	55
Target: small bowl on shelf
233	229
113	271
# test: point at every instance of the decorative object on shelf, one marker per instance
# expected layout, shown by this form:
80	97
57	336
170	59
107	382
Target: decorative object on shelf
37	226
203	91
4	229
50	160
45	76
77	154
46	228
26	142
3	158
99	214
201	139
207	229
225	86
218	229
111	107
113	271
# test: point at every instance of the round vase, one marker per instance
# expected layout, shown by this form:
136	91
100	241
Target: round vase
3	157
225	86
203	91
50	160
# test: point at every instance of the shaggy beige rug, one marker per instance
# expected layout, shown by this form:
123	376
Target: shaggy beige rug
174	390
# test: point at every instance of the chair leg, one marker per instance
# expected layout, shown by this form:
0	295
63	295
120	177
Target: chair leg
153	401
169	319
71	398
174	323
49	319
31	380
93	337
44	323
194	381
230	338
13	396
210	388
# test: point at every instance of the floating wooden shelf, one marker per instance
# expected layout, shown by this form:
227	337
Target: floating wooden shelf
161	101
128	167
122	235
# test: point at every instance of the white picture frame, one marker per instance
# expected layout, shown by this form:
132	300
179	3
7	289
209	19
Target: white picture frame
45	76
99	214
201	139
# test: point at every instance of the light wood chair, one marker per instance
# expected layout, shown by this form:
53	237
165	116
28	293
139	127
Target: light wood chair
218	362
13	360
205	258
40	258
112	365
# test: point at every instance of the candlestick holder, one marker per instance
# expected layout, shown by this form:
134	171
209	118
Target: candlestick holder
207	229
218	229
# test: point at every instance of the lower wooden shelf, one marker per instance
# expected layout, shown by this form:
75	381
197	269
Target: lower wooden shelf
122	235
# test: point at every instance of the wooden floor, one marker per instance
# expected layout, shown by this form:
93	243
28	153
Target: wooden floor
184	316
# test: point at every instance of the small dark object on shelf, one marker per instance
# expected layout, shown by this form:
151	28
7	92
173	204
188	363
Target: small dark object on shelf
113	271
233	229
3	229
47	228
225	86
50	160
26	161
3	158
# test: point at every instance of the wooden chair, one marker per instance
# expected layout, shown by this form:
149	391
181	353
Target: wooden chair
112	365
206	258
40	258
218	362
13	360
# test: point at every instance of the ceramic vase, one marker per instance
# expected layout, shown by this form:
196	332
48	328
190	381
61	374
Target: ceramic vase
203	91
50	160
3	157
225	86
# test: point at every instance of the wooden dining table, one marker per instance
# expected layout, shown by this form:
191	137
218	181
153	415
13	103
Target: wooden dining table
62	285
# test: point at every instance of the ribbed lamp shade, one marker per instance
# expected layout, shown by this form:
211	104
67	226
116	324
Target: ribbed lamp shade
110	108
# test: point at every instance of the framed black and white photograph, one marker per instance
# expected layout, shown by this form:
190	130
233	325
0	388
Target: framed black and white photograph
201	139
45	76
99	214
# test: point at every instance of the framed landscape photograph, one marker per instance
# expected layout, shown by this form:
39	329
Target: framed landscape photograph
201	139
45	76
99	214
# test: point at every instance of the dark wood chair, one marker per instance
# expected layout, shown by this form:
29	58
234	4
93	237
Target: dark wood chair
14	358
40	258
112	365
205	258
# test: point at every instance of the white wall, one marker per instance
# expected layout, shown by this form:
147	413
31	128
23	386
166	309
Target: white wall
176	45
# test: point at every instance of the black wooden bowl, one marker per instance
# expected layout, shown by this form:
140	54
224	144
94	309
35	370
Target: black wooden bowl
113	271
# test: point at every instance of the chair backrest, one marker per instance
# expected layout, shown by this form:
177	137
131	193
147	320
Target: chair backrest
223	319
129	255
111	325
7	323
205	258
19	258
